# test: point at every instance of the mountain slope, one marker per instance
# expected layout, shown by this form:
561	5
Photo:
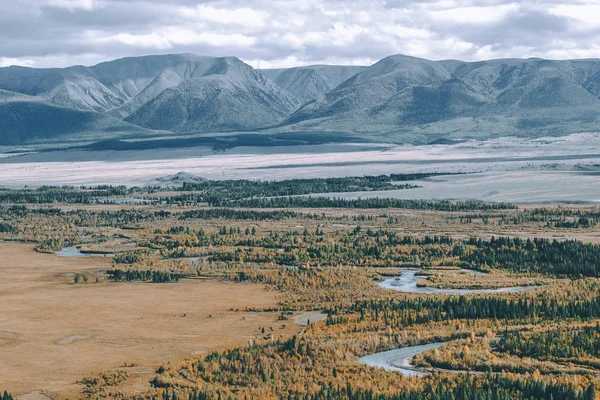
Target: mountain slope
117	87
25	119
373	87
228	96
74	87
398	99
419	98
308	83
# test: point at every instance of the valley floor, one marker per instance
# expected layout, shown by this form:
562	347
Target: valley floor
229	289
55	332
545	170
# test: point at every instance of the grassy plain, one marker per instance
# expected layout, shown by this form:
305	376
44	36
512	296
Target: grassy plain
54	332
113	333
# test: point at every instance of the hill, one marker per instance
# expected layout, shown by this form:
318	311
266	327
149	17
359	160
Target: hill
308	83
229	95
25	119
118	87
399	99
418	100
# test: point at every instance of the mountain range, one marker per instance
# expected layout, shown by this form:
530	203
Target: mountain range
398	99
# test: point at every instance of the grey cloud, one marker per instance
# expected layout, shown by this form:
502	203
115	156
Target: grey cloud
341	30
525	27
126	15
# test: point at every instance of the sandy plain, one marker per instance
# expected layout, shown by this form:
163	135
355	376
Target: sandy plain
542	170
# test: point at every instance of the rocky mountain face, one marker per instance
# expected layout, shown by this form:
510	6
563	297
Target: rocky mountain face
118	87
398	99
26	119
416	97
309	83
228	96
182	93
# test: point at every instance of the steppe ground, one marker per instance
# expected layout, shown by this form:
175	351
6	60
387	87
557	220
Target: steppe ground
54	332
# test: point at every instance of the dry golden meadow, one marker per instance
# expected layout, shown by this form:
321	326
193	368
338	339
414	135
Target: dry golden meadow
54	332
243	270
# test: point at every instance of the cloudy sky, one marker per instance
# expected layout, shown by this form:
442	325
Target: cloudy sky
282	33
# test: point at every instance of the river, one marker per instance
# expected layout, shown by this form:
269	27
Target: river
399	359
407	282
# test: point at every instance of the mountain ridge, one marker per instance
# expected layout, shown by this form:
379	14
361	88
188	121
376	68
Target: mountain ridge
400	98
422	98
309	82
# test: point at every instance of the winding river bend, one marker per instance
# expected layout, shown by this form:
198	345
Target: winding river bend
399	359
407	282
74	251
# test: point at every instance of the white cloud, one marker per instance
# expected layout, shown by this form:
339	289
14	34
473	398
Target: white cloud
7	62
170	37
473	15
151	40
76	4
237	16
404	32
587	13
292	61
284	33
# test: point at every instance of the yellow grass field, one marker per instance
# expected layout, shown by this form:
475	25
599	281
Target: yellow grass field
54	332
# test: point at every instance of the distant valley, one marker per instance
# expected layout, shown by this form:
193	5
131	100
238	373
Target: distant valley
399	99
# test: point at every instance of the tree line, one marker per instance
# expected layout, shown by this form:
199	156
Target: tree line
375	202
568	258
463	387
553	257
148	275
209	191
279	367
562	344
409	311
